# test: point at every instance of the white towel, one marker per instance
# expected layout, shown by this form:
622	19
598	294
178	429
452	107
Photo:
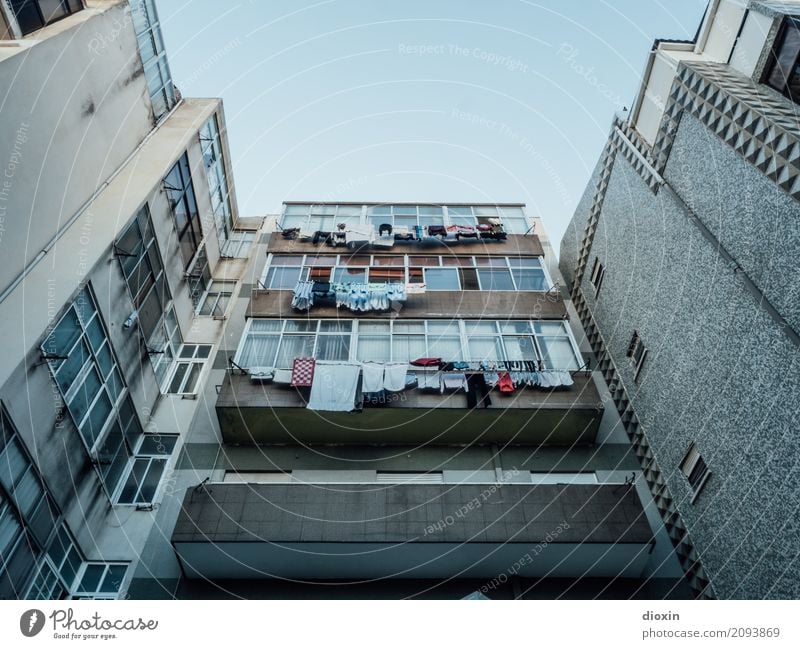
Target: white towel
334	387
566	379
454	382
428	380
372	377
282	376
394	378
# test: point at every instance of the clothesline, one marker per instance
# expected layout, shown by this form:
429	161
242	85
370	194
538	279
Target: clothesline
356	296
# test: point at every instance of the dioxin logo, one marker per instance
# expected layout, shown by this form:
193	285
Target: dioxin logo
31	622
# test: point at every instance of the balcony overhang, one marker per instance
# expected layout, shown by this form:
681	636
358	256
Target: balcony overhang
255	413
260	531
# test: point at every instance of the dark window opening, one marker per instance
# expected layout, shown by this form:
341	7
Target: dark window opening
783	71
35	14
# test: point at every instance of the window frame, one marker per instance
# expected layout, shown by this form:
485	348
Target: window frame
195	359
597	276
218	295
788	23
66	6
692	461
637	353
387	329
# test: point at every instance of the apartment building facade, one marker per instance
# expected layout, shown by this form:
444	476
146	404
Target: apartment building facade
121	245
681	261
360	440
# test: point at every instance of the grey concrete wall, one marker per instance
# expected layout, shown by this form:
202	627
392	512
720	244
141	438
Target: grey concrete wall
72	114
719	372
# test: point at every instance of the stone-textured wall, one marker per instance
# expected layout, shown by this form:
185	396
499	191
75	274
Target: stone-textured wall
571	241
719	371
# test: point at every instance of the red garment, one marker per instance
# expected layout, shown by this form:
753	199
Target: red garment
427	362
504	383
302	372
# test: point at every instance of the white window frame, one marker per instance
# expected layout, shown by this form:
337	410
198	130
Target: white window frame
239	244
194	359
462	325
149	457
217	291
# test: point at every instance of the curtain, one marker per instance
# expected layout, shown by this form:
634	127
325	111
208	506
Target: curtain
259	351
294	347
333	348
407	348
485	348
374	348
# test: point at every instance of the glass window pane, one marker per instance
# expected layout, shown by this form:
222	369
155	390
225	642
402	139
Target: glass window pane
265	325
557	353
409	327
552	328
480	327
301	326
530	279
115	575
333	348
294	347
91	577
373	348
283	277
177	378
13	464
259	351
442	279
130	491
407	348
520	348
525	262
28	492
69	369
484	348
335	325
495	280
151	480
84	395
342	275
379	326
157	445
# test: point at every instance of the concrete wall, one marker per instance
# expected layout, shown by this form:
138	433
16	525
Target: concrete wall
719	372
73	113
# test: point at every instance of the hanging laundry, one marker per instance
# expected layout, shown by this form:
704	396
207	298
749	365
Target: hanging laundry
477	391
402	233
359	235
303	298
418	232
428	381
427	362
384	241
302	372
305	234
491	378
394	377
460	365
261	374
504	383
335	387
372	377
282	376
415	288
566	379
437	231
453	381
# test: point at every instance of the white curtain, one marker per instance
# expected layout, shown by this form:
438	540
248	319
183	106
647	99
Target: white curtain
259	351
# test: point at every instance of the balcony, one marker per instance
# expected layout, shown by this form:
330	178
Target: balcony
255	413
260	531
438	304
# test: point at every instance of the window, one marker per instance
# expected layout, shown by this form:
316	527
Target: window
783	71
406	216
211	145
513	218
439	273
276	343
35	14
163	346
442	279
100	580
216	300
180	192
199	277
140	259
598	272
84	367
188	368
239	243
695	469
147	469
637	352
154	58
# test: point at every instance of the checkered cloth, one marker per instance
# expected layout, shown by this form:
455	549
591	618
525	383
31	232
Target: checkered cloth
302	372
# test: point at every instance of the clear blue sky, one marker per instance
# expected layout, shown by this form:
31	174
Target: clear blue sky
445	100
